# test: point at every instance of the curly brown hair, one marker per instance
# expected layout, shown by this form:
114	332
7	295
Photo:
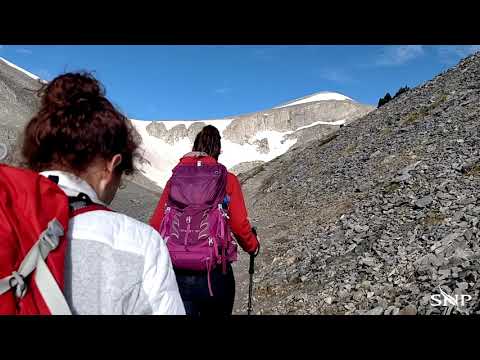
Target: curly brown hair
76	125
208	141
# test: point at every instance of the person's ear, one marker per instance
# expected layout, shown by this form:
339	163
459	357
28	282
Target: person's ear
113	163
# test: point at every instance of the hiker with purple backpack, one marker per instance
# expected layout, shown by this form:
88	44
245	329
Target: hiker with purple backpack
201	206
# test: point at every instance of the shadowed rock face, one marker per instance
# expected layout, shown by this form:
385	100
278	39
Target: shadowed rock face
245	167
374	217
18	103
17	96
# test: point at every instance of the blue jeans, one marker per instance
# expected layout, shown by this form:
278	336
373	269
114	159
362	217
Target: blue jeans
196	298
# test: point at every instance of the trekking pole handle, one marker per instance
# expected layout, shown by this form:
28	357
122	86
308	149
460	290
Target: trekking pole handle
254	231
252	263
251	269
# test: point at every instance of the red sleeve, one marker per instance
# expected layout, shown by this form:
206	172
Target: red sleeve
157	217
238	216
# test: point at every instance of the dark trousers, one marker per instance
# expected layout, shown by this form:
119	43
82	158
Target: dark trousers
196	298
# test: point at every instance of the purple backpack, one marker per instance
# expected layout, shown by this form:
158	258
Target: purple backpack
195	225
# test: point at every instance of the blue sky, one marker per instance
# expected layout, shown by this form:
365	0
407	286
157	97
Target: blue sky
207	82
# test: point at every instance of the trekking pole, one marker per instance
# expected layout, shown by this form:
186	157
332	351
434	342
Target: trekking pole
251	270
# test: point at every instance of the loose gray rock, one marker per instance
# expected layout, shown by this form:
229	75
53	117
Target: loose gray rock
424	202
376	311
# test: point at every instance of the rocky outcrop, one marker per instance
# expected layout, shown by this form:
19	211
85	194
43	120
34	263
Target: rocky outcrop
262	146
157	129
291	118
194	129
176	133
378	216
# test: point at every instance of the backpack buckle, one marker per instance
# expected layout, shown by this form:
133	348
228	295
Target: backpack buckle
51	236
17	282
222	211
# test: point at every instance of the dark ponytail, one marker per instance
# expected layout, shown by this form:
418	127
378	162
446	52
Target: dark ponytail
208	141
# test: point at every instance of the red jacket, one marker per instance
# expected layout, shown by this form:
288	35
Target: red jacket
237	211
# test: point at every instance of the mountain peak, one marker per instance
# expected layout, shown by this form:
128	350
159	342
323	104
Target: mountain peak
319	96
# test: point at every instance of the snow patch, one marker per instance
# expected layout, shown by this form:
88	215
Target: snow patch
234	154
337	123
321	96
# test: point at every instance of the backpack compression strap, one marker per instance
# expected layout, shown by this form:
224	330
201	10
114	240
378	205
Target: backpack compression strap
35	259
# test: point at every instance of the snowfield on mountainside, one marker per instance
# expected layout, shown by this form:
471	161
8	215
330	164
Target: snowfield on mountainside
162	157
